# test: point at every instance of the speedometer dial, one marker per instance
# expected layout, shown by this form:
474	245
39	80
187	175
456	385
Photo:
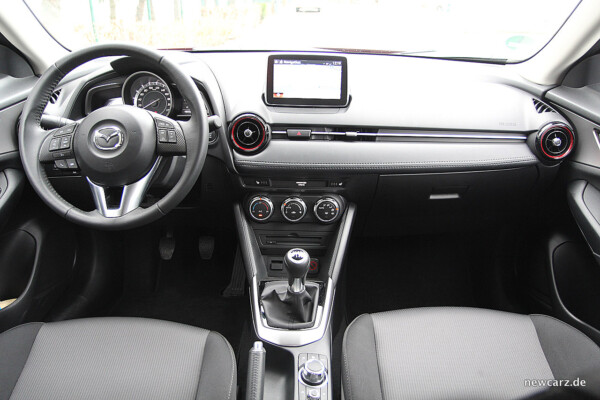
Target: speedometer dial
155	97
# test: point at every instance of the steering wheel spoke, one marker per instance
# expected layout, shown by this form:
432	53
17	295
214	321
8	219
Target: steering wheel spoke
170	139
131	198
57	147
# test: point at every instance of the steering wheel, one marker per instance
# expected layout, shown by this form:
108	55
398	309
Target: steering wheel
115	147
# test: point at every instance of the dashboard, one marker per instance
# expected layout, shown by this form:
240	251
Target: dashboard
392	134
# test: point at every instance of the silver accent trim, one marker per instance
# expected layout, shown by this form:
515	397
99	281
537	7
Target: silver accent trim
131	198
596	133
299	337
449	135
297	286
322	373
296	199
112	131
323	200
286	337
267	200
555	156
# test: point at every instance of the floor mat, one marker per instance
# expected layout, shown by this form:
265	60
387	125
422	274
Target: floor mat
185	289
395	273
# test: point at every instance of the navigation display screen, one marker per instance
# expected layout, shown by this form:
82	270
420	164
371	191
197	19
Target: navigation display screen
306	80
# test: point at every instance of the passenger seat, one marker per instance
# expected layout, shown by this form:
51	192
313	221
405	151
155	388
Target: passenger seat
461	353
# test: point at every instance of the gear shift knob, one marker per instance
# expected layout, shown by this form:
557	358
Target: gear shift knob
296	262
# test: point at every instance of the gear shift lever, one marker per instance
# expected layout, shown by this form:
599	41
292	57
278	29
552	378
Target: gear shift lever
291	304
296	262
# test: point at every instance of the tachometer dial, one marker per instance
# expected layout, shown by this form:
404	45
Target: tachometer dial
155	97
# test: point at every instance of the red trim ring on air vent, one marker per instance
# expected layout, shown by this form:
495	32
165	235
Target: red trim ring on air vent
553	127
263	130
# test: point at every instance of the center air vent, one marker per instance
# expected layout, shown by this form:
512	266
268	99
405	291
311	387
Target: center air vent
249	133
555	141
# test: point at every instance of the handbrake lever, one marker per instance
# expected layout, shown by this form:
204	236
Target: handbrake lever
255	381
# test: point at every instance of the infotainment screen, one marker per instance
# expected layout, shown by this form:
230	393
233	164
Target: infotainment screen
307	80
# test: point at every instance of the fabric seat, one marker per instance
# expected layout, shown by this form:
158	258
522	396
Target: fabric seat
115	358
459	353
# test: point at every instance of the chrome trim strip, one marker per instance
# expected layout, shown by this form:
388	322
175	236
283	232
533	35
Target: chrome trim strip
449	135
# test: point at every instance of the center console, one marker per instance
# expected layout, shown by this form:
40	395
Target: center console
293	244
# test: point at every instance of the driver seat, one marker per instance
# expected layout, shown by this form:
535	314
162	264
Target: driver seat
115	358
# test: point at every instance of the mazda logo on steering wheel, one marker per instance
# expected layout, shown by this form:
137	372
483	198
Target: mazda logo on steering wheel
108	138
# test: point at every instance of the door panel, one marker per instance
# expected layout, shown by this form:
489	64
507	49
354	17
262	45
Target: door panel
570	268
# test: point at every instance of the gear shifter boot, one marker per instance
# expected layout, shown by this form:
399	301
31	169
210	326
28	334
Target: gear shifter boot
287	310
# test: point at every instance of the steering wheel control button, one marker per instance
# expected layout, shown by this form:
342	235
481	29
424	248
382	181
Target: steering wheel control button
261	208
65	130
163	124
327	209
71	163
293	209
62	154
162	136
61	164
171	136
65	142
54	144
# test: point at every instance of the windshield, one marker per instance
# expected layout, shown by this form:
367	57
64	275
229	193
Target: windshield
510	30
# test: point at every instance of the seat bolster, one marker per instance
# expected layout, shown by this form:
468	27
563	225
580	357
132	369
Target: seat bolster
360	370
218	378
567	350
15	346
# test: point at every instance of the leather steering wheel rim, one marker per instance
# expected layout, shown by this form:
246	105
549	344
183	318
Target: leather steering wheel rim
32	137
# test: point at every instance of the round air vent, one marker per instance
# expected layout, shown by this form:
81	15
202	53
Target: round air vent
555	141
249	133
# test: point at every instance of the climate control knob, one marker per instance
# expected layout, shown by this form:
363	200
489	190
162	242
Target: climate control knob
327	209
293	209
261	208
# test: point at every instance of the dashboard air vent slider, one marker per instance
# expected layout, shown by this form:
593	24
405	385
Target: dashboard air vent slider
555	141
249	133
